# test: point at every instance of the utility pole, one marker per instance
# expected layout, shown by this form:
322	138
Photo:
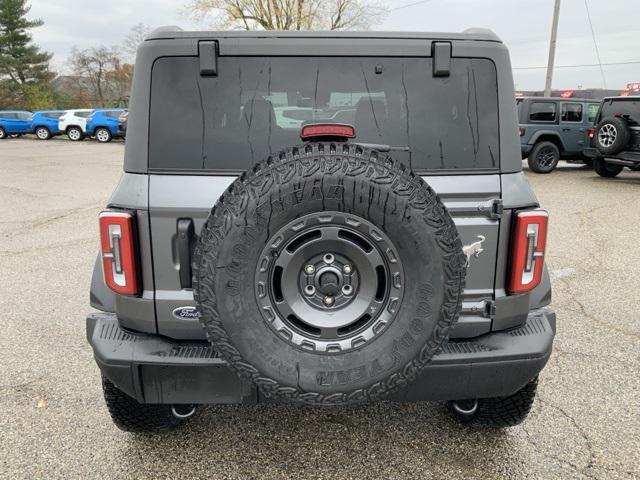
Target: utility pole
552	48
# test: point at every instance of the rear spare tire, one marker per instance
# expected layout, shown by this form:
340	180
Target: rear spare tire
612	135
328	274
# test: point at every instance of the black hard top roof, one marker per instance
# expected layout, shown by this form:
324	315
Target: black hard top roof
473	34
592	100
622	97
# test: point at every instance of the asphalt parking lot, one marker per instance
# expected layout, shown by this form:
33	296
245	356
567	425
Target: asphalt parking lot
53	422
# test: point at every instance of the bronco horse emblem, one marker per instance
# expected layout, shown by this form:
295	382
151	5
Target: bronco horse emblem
473	250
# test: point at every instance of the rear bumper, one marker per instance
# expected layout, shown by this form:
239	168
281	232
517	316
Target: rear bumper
526	149
627	156
591	152
154	369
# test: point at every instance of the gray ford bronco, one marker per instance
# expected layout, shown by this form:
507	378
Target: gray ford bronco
321	219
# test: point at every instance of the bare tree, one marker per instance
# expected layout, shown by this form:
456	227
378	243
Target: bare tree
288	14
96	66
120	80
133	39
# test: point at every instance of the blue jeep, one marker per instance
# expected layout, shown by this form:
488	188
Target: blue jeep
44	124
554	128
103	124
14	122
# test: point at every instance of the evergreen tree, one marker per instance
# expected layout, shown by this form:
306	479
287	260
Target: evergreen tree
22	64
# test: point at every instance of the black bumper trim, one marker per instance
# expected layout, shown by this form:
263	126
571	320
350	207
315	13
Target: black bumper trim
154	369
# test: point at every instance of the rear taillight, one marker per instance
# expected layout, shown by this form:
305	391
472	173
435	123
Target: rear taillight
117	240
591	132
527	250
89	119
521	131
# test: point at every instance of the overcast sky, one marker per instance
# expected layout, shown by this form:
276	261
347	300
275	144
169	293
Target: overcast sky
524	25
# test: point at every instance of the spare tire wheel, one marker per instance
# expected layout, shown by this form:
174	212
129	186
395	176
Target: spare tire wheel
612	135
329	274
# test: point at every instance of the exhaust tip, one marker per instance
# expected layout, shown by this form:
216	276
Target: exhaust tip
465	407
183	411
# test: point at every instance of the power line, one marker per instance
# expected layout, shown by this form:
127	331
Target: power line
632	62
595	44
409	5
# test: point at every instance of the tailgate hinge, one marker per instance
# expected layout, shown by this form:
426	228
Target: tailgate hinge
494	210
489	309
441	53
208	54
483	308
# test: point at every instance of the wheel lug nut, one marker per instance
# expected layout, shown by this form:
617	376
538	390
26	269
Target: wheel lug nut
347	290
328	259
309	290
347	269
328	300
309	269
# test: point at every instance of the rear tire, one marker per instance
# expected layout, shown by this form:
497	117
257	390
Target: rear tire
103	135
3	133
496	412
607	170
75	134
544	157
131	416
42	133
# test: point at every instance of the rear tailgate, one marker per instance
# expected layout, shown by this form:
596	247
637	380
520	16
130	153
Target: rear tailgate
475	212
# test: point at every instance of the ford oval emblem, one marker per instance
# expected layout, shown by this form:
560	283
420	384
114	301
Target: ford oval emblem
186	313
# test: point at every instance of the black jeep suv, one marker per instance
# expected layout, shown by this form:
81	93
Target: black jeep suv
614	142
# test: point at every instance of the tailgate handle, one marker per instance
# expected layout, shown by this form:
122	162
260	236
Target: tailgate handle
185	249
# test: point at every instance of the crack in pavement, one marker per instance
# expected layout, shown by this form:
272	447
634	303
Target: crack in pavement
591	316
80	241
591	455
46	221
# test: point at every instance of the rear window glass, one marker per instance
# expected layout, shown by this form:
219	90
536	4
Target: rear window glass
257	105
571	112
592	112
542	112
629	109
82	114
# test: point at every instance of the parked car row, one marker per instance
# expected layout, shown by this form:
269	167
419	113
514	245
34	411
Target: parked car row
605	135
103	124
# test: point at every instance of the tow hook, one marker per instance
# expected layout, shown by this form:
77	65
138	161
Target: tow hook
183	411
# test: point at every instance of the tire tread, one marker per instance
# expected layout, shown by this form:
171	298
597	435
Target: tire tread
131	416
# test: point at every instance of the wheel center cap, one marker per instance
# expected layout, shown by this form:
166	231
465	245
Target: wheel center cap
329	283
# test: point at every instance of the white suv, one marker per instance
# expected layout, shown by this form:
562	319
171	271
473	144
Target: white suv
74	123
